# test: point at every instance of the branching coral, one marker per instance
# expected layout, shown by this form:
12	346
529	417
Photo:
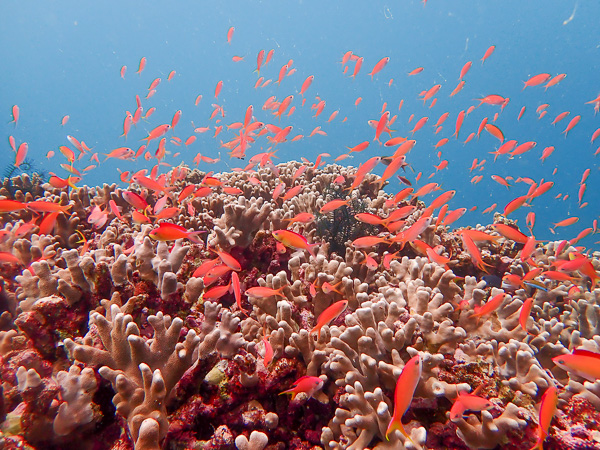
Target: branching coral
141	372
192	357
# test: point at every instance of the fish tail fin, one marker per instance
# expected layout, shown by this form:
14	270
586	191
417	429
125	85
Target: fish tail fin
394	425
311	251
193	236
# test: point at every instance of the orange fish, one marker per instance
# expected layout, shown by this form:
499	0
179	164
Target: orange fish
46	206
8	258
554	81
235	284
15	114
268	352
157	132
142	65
357	67
229	260
218	88
306	384
547	411
583	363
536	80
259	60
263	291
416	71
490	306
469	402
465	69
525	312
333	205
422	121
21	154
510	232
360	147
216	292
306	84
574	121
488	53
474	252
459	121
171	232
294	240
379	66
403	395
494	131
329	315
48	222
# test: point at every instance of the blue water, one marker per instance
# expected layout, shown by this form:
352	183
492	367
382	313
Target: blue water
64	58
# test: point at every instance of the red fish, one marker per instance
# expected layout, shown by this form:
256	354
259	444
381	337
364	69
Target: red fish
21	154
574	121
142	65
329	315
294	240
422	121
379	66
536	80
15	114
459	121
403	395
306	84
465	69
171	232
547	411
306	384
488	53
469	402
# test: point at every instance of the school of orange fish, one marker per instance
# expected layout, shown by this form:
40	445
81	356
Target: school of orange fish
157	199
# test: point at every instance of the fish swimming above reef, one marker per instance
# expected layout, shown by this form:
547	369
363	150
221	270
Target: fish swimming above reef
344	228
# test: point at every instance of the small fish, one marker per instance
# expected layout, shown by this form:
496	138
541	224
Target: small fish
536	285
583	363
403	395
294	240
547	411
171	232
237	293
488	53
469	402
329	315
307	385
263	291
379	66
536	80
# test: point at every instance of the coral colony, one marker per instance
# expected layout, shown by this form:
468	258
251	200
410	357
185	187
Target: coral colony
295	305
415	336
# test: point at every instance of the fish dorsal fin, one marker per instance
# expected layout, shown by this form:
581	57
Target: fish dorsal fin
583	352
478	389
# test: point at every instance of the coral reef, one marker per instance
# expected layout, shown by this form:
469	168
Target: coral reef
117	336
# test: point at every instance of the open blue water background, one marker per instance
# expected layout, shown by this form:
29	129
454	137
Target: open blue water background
64	57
